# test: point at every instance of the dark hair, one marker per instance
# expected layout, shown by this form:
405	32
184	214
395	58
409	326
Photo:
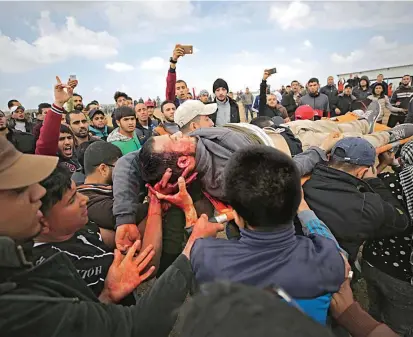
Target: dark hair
182	81
94	102
78	96
129	98
225	309
262	122
263	185
73	112
166	102
153	164
124	111
374	89
119	94
313	80
288	86
348	86
295	81
56	186
43	106
66	129
11	102
87	108
100	152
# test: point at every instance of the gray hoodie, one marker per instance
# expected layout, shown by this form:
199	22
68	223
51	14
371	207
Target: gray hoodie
215	146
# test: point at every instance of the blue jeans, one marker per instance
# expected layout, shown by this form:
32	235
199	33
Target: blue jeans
248	107
390	300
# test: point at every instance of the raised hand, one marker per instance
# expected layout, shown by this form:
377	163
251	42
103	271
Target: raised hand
266	75
125	273
63	92
126	236
177	53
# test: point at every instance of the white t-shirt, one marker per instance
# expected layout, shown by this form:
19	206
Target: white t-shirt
21	126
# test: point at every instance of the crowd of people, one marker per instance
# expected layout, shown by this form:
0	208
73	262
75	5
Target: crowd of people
266	221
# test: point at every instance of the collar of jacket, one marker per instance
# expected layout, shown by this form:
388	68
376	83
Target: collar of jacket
283	236
12	256
314	95
103	132
324	171
100	188
140	126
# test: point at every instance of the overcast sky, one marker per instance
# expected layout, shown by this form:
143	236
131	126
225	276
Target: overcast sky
126	45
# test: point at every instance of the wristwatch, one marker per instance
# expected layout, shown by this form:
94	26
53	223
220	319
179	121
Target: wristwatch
172	60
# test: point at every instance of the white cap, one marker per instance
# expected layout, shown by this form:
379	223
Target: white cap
189	109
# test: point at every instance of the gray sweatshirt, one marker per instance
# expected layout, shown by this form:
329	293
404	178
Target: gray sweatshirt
215	146
223	113
319	102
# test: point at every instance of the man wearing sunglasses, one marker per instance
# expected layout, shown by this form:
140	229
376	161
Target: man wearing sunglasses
98	127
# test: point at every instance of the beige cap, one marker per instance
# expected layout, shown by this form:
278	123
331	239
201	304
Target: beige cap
19	170
189	109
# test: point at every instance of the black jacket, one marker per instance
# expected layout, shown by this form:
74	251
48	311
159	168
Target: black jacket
264	109
288	102
100	205
332	94
22	141
403	95
51	299
344	103
294	143
144	133
28	125
234	111
353	209
409	117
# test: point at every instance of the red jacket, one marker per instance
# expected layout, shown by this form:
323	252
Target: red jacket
47	144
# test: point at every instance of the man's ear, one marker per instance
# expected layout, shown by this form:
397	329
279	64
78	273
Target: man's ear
45	226
186	162
117	122
238	219
103	170
192	126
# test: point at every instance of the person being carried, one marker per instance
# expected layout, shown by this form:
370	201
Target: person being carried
264	205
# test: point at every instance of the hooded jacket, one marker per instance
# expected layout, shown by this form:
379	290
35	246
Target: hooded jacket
124	143
344	103
289	103
353	209
216	145
51	299
332	93
361	93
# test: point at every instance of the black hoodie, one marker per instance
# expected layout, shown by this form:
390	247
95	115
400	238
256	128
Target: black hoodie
361	93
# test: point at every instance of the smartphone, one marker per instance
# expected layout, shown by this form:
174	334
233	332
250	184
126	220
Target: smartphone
188	49
271	71
72	77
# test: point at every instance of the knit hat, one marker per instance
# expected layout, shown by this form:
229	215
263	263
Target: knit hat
220	83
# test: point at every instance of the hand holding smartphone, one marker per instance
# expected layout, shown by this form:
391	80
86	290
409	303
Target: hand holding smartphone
188	49
271	71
